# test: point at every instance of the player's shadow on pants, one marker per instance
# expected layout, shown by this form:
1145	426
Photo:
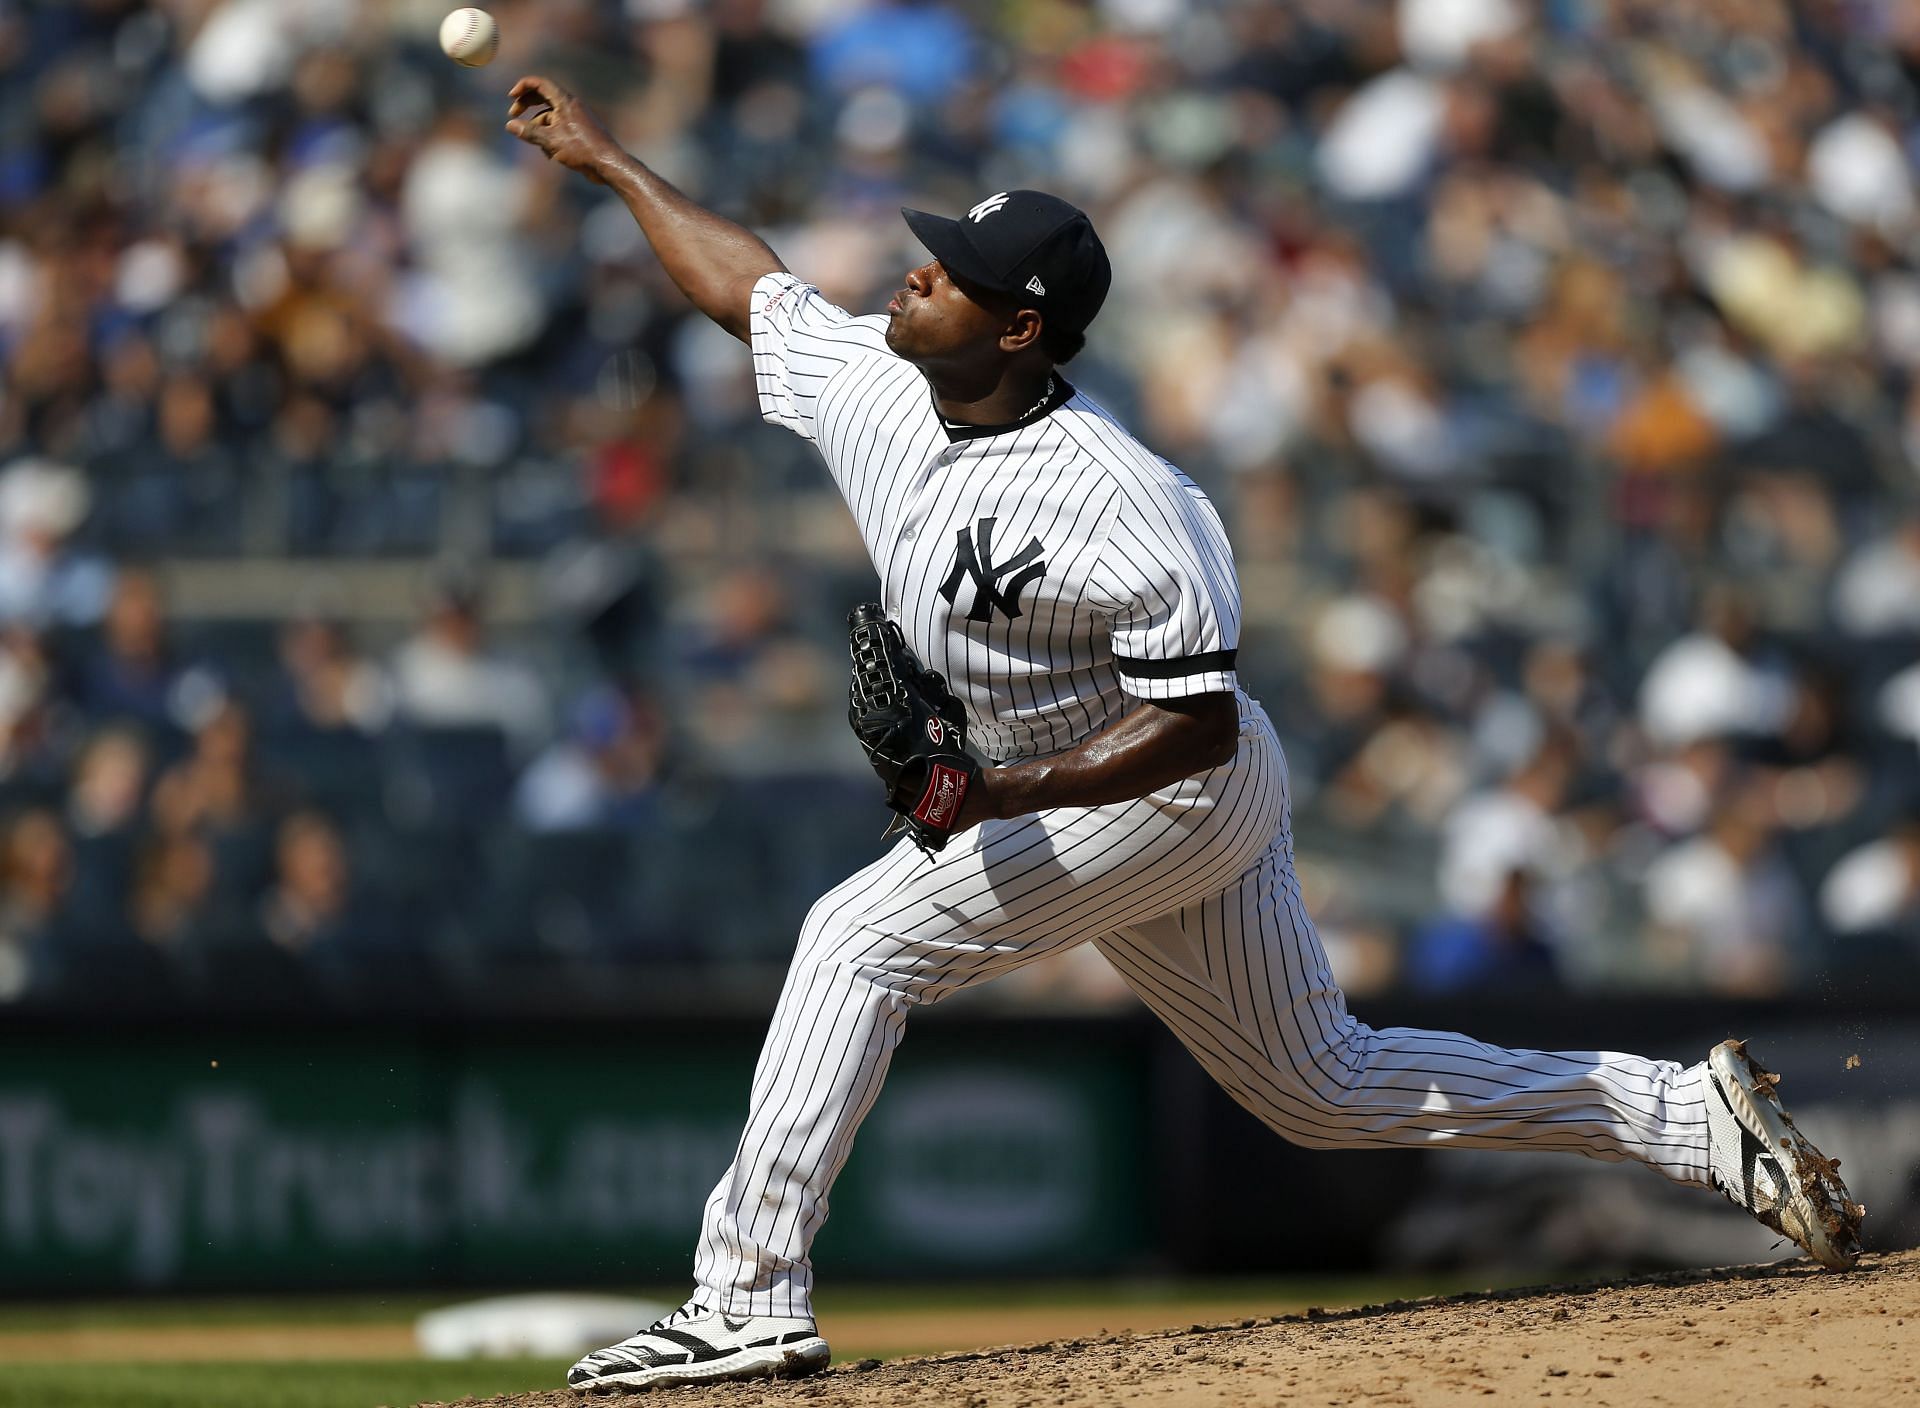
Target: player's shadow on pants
1024	863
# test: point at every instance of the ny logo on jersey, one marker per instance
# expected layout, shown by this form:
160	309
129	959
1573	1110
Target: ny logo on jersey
1027	568
987	207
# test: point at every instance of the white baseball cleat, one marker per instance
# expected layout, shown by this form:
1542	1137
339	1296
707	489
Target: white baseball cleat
1760	1162
695	1345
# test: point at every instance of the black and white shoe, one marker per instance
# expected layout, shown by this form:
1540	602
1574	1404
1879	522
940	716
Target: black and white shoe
1760	1162
695	1345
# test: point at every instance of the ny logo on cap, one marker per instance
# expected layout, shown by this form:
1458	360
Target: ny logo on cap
987	207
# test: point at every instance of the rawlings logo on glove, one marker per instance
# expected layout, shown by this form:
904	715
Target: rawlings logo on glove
940	803
912	728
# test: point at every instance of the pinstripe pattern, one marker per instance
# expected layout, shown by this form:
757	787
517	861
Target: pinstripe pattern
1138	568
1189	891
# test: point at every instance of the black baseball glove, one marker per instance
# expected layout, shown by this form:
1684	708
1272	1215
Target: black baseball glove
912	727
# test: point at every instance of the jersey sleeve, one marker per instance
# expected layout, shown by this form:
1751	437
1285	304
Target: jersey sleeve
800	341
1167	576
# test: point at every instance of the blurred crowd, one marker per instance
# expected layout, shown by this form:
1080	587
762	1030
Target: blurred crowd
1553	362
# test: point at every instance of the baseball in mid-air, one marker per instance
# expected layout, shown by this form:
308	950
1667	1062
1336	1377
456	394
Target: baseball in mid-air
470	37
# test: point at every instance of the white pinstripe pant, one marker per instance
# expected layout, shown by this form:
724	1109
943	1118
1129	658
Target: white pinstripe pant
1190	893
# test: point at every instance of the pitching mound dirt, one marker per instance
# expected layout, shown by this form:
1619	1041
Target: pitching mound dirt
1784	1336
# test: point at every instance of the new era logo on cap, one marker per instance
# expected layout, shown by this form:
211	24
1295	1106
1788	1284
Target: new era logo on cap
1035	286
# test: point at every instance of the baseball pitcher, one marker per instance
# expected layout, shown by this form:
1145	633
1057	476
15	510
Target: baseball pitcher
1056	599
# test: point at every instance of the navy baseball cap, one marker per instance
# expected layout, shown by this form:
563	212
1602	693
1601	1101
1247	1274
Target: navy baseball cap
1028	245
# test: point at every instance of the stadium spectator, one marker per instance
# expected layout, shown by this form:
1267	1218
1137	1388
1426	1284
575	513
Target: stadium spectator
225	797
324	684
1356	645
1514	829
1675	792
36	875
220	787
756	686
105	815
1899	705
44	579
444	675
1875	886
604	773
1713	683
135	674
30	707
109	784
173	899
1723	905
1499	950
1877	590
309	902
178	492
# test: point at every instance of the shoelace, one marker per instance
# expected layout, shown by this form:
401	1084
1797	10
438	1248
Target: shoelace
685	1312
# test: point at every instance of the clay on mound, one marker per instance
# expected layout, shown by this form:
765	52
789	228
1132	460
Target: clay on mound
1789	1335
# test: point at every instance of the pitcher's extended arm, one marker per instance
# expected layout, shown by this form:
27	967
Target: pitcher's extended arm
714	261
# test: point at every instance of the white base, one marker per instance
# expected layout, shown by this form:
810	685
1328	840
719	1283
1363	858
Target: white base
542	1326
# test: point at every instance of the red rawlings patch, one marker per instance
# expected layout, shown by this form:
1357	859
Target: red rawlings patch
940	803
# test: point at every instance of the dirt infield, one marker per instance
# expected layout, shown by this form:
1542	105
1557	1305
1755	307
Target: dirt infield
1786	1336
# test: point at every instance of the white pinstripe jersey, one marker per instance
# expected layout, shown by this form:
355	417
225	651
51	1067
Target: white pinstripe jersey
1048	569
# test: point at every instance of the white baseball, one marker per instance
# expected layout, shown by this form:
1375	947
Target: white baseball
470	37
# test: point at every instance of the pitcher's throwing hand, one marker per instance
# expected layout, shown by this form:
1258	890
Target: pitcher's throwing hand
547	116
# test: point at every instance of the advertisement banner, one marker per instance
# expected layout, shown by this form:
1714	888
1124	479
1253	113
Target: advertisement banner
348	1159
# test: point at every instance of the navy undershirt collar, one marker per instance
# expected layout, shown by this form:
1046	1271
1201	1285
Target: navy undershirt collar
956	432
